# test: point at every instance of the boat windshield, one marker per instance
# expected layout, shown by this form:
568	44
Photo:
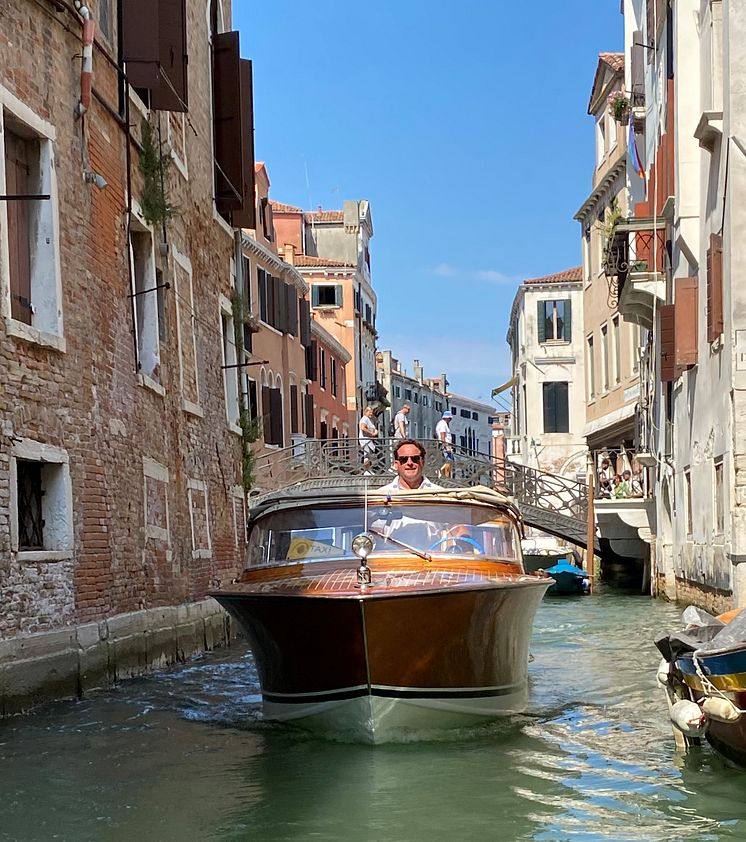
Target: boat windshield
325	532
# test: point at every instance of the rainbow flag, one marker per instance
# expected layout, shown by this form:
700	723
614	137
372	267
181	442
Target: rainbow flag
634	155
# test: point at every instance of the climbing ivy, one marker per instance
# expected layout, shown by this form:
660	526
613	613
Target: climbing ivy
154	165
251	428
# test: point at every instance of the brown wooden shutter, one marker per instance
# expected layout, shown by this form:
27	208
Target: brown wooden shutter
714	288
686	310
246	216
668	366
229	180
638	63
278	302
305	323
275	411
294	426
312	356
154	47
291	309
266	411
310	425
19	228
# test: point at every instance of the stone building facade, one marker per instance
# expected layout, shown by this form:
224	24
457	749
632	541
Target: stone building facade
546	340
120	471
426	397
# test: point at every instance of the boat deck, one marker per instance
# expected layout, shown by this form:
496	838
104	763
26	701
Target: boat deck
341	580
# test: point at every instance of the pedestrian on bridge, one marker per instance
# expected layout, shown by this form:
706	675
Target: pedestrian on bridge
445	436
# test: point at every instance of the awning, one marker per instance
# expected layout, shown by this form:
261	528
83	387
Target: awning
508	385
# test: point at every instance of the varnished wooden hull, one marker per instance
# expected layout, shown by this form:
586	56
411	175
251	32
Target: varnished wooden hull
374	664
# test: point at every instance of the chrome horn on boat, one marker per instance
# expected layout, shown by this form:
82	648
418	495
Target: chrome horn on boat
362	546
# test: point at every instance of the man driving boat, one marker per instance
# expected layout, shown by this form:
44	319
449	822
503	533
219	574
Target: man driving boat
409	462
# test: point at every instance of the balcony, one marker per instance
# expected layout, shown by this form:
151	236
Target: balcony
512	446
635	261
625	526
637	109
376	393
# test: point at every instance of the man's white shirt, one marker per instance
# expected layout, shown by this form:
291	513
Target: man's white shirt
443	427
396	485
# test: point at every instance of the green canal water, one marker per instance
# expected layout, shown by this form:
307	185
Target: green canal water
185	755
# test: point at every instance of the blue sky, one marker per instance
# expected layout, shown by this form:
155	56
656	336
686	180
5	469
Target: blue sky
465	126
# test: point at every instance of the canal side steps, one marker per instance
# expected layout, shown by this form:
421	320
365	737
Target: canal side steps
66	663
555	504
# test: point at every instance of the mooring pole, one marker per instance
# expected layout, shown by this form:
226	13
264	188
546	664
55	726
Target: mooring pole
590	536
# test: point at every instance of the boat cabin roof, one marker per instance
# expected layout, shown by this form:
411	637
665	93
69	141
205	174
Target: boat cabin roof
352	490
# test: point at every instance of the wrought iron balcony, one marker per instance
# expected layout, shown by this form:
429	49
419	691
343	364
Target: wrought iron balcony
643	287
375	392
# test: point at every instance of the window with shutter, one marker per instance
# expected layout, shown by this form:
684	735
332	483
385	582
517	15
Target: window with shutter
668	364
322	368
227	123
291	309
263	295
554	321
556	408
294	420
714	288
638	67
253	400
154	49
566	332
278	318
686	312
17	183
326	295
276	419
271	309
245	217
541	320
311	361
310	431
305	323
266	413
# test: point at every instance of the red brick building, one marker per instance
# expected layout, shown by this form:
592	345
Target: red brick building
120	464
331	419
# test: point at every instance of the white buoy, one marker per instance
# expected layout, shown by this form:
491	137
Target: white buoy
721	709
664	670
688	718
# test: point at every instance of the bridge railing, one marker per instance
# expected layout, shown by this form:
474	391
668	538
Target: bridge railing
326	458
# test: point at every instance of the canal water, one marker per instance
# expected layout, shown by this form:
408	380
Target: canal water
185	755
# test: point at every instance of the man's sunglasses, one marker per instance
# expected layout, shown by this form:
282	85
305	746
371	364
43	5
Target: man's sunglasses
416	459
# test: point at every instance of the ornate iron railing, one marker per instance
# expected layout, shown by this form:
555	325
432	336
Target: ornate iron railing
555	496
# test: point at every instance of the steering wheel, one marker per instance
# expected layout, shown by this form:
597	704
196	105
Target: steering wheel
460	543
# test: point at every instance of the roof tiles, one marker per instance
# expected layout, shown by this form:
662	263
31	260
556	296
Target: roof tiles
567	275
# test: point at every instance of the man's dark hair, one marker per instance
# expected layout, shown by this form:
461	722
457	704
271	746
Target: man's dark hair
401	443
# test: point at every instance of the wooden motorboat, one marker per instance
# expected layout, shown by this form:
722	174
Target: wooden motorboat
377	614
703	672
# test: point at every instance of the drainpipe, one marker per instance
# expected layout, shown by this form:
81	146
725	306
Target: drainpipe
86	73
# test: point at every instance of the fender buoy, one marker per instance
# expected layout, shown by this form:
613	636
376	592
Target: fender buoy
720	709
688	718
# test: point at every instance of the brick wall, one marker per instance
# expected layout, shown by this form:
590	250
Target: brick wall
88	400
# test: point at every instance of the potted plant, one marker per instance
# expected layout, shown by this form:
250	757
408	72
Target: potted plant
619	106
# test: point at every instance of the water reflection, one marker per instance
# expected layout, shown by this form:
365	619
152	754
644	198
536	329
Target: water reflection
186	755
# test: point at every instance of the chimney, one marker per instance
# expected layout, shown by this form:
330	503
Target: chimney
289	253
417	371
